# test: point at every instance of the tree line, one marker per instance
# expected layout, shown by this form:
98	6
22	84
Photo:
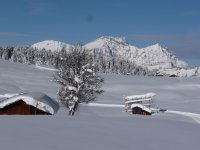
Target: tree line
105	64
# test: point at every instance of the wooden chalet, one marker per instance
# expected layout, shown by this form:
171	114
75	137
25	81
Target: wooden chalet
139	104
28	104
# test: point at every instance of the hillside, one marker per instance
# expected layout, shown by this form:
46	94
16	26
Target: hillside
100	127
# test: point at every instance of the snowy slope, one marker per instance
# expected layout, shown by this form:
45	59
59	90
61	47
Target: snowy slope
103	127
112	46
51	45
157	56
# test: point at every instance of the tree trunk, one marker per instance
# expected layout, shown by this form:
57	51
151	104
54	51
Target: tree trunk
73	108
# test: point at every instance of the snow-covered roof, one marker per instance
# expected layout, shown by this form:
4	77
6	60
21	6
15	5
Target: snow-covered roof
36	99
140	97
141	106
137	100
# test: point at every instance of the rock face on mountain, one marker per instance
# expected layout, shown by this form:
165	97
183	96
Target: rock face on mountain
152	57
155	57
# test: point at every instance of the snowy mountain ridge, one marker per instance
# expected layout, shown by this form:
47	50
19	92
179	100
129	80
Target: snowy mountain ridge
154	57
50	45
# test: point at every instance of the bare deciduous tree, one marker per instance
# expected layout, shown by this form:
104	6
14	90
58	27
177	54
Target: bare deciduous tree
78	78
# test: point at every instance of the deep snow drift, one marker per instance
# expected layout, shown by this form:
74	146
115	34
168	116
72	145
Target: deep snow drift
101	127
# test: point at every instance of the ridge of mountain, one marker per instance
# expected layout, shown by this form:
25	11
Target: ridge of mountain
51	45
153	57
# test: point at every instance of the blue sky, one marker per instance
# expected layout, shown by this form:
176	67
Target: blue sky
173	23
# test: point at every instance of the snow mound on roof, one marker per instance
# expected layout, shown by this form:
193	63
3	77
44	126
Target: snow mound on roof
137	97
11	93
36	99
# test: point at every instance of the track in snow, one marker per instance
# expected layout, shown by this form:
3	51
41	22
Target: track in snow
45	68
194	116
105	105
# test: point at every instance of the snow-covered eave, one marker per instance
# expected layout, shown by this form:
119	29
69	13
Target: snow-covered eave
28	100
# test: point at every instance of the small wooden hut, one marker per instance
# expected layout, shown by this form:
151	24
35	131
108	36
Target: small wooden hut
140	109
139	104
28	104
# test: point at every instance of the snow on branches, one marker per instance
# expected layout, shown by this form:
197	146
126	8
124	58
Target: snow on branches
78	79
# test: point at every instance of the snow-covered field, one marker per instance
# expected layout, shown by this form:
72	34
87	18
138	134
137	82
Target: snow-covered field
103	124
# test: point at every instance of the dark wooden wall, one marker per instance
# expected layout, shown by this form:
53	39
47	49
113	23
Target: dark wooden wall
140	111
21	108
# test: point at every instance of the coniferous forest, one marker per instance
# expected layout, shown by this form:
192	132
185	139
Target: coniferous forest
105	64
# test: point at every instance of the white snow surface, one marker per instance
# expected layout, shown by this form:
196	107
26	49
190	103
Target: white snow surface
8	95
104	105
194	116
45	68
101	127
51	45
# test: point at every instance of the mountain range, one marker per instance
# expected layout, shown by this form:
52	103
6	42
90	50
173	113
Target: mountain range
154	57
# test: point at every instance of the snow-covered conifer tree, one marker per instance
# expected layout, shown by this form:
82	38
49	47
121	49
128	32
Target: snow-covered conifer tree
78	79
